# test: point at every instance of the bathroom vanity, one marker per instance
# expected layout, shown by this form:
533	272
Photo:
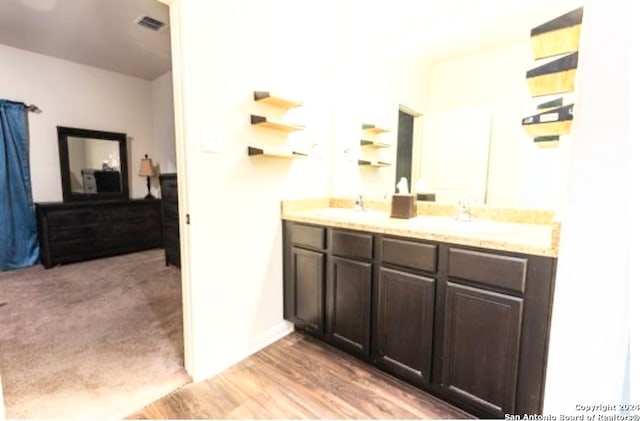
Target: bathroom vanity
451	309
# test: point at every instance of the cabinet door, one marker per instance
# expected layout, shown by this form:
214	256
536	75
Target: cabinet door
404	329
308	290
480	348
349	305
135	226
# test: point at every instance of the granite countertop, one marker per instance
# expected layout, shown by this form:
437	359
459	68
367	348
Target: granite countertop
531	232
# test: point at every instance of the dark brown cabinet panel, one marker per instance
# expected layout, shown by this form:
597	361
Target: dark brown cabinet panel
349	305
170	219
410	254
351	244
305	276
308	290
481	345
308	236
469	325
403	334
492	269
76	231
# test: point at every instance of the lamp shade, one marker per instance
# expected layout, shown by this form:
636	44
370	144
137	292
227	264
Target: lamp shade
146	167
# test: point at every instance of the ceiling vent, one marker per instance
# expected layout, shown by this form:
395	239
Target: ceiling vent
150	23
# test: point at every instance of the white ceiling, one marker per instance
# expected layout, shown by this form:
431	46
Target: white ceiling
102	33
442	29
99	33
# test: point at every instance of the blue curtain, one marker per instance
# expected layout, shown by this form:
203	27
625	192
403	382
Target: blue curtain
18	231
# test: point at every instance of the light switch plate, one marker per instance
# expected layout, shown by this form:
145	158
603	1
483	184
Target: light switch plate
211	141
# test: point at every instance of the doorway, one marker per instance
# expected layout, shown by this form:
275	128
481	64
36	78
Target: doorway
404	151
408	148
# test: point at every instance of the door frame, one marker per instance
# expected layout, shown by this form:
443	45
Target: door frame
177	69
416	158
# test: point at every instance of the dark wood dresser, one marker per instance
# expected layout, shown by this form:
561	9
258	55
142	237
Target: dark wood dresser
170	218
76	231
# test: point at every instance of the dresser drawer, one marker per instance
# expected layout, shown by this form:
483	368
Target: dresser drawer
78	249
171	234
410	254
73	217
139	211
170	211
351	244
497	270
308	236
78	232
169	194
169	187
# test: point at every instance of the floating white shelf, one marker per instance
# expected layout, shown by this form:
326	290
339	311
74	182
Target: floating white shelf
372	128
368	163
374	144
553	122
263	122
253	151
266	97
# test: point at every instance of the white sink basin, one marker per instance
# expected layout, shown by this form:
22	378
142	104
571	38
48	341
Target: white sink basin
438	225
350	213
453	226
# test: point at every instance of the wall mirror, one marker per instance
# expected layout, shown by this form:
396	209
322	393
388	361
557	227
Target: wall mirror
466	83
93	164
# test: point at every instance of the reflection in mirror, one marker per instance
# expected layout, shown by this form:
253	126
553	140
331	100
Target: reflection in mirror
466	80
93	164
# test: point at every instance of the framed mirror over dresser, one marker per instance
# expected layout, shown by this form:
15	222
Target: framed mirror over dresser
96	218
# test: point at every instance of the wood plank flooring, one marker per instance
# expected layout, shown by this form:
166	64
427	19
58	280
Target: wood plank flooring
299	377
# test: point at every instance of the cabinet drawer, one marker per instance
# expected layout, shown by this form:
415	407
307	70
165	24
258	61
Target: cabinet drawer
169	195
171	234
308	235
124	213
79	232
351	244
491	269
168	182
170	211
73	217
410	254
78	249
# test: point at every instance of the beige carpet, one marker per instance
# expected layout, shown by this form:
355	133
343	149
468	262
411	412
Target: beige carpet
91	340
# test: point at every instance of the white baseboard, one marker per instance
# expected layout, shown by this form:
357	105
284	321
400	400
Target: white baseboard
268	337
251	346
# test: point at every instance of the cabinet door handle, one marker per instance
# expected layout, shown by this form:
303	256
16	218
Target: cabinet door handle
188	219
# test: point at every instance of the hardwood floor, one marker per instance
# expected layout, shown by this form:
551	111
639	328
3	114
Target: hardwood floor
299	377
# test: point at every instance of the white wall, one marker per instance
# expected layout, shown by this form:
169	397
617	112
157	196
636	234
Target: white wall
163	131
75	95
371	83
588	355
233	200
230	49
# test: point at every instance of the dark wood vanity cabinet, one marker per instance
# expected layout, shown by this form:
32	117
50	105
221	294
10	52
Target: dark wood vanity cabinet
304	277
482	331
76	231
404	308
466	324
349	285
495	317
170	219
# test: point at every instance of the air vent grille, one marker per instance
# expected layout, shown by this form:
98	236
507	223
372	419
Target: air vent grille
150	23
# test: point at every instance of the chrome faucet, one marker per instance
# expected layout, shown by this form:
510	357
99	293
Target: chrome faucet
464	211
359	203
